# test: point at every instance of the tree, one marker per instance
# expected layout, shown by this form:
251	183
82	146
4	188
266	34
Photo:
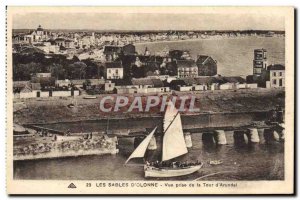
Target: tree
76	70
137	72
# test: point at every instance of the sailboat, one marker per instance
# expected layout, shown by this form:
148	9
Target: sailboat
173	146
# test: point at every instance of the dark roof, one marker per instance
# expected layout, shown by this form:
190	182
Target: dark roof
202	58
276	67
59	39
113	65
186	63
62	48
177	82
235	79
51	41
112	49
120	82
157	82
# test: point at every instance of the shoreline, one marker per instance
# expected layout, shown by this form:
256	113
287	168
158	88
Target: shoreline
202	39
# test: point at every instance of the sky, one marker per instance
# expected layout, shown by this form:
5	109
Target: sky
148	21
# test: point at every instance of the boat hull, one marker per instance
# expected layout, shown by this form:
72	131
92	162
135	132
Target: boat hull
170	172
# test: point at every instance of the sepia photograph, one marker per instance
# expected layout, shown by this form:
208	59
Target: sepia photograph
150	100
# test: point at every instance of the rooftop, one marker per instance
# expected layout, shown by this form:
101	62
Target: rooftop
276	67
202	59
113	65
186	63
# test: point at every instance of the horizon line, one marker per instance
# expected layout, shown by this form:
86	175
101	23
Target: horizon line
132	30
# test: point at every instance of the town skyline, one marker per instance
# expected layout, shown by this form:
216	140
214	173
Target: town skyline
179	22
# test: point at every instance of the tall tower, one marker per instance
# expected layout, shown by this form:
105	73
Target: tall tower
260	62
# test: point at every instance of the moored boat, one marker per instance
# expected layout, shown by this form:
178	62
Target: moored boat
215	162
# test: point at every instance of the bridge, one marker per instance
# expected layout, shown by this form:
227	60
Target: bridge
252	133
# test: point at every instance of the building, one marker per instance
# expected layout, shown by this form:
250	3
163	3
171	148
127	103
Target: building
69	44
276	77
38	35
109	86
63	83
260	62
186	68
112	52
114	70
32	37
19	85
60	42
207	66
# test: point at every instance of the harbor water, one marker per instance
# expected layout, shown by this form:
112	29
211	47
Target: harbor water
248	162
234	55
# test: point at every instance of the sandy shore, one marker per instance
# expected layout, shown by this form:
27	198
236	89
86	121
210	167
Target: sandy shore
196	39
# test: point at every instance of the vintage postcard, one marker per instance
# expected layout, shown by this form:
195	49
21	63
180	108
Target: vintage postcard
150	100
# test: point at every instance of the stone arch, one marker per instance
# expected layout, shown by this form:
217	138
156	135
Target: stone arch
240	138
208	138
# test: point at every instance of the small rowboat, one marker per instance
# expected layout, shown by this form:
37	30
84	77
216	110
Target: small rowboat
215	162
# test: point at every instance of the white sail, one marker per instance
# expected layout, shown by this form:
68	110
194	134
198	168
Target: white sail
173	141
140	151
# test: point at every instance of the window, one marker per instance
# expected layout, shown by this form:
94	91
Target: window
109	71
280	82
257	70
274	82
280	74
274	73
116	71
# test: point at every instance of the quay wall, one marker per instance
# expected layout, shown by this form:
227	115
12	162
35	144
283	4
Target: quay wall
59	154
